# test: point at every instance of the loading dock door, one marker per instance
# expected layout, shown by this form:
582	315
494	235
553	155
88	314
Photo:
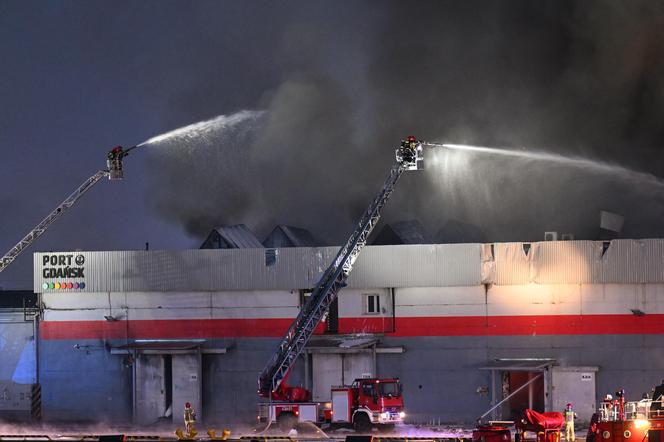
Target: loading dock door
187	382
531	396
150	389
577	386
508	375
167	374
330	369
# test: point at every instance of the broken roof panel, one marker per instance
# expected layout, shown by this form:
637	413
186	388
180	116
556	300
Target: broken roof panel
289	236
402	232
232	237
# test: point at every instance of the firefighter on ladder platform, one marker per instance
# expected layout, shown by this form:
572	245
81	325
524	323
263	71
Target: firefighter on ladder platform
114	161
569	423
409	148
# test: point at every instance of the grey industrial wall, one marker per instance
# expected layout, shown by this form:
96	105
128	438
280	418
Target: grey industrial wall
440	374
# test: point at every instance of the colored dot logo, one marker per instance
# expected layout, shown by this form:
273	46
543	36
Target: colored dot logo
62	285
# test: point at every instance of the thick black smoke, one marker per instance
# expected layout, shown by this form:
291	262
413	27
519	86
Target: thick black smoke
578	78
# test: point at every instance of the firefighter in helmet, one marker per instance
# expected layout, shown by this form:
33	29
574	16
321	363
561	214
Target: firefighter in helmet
189	420
569	423
118	153
409	148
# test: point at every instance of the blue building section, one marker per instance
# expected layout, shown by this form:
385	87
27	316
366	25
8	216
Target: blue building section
25	372
82	381
17	348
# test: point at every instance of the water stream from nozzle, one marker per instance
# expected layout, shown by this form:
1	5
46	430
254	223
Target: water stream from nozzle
579	162
203	131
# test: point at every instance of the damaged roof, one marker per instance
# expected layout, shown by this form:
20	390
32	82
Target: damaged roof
402	232
289	236
238	236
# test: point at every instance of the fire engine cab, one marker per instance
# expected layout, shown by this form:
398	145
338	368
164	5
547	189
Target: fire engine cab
363	404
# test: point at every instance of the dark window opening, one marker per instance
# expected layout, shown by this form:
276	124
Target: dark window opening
529	397
271	257
332	325
373	304
168	381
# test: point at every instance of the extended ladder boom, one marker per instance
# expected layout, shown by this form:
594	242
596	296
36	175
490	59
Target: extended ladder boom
409	157
114	172
35	233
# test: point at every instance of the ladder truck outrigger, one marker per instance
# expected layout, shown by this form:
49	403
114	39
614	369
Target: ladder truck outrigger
113	172
367	402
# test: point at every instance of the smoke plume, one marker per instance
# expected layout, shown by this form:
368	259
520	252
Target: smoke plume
575	78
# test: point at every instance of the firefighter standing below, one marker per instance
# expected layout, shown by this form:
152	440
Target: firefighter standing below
189	420
569	423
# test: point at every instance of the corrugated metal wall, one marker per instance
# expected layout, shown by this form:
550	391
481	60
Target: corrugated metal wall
623	261
418	266
248	269
439	265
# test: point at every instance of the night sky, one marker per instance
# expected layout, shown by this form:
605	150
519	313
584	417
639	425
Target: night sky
341	84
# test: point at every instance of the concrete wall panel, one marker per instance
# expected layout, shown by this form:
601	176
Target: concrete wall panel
357	366
440	301
327	369
533	299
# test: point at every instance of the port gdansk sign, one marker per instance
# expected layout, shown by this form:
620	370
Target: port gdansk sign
63	266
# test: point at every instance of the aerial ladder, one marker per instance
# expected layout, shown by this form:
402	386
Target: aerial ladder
408	157
113	172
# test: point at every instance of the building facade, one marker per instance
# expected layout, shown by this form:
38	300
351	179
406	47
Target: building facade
132	335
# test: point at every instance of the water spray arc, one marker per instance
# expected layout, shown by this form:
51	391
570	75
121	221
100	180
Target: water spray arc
577	162
203	130
115	171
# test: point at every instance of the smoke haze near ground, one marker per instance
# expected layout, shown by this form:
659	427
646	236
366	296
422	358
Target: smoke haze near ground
577	78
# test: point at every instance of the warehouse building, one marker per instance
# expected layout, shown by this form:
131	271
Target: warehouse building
132	335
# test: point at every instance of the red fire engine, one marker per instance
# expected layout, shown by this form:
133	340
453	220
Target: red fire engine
621	421
363	404
366	402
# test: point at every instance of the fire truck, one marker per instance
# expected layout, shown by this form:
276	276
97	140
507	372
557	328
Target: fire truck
635	421
367	402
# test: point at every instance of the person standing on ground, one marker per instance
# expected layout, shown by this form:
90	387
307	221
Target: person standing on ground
189	419
569	423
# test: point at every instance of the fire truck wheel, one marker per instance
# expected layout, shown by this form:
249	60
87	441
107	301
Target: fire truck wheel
286	421
361	423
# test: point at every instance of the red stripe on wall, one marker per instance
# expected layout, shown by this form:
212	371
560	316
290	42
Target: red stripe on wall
164	329
531	325
404	327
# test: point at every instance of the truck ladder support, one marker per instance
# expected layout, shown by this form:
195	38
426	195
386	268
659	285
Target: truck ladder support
35	233
327	288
